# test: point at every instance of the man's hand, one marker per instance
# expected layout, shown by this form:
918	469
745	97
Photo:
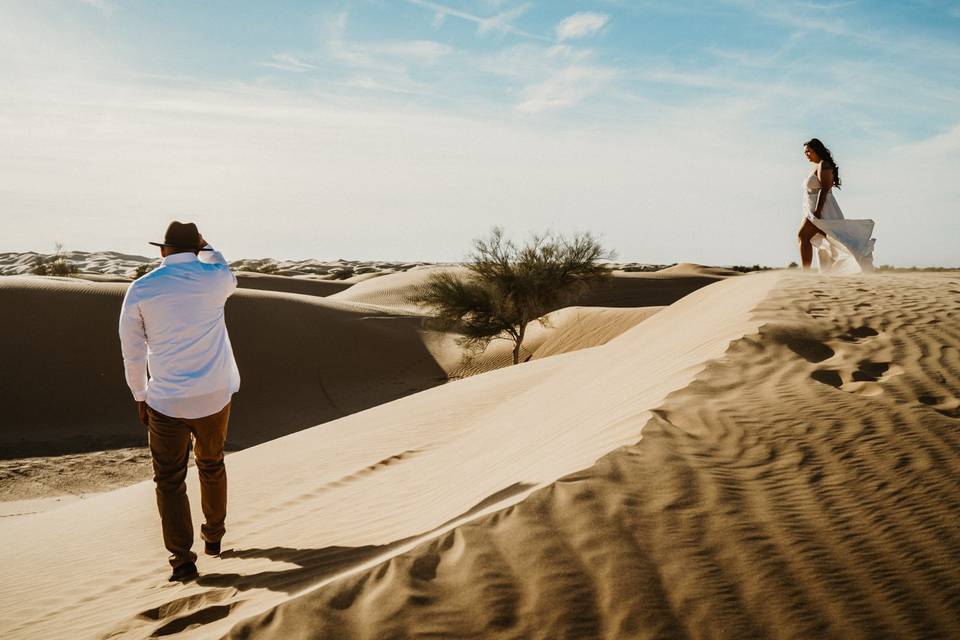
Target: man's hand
142	410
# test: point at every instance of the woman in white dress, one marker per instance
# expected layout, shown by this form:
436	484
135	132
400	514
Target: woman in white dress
843	246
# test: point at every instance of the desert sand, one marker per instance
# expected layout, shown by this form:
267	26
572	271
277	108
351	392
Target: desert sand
774	455
309	351
307	356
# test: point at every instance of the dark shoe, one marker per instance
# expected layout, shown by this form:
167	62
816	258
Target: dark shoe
184	572
211	548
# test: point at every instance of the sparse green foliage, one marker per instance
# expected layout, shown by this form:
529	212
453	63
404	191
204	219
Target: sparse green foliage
54	265
510	285
144	269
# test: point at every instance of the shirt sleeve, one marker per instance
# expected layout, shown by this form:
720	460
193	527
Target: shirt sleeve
133	345
212	256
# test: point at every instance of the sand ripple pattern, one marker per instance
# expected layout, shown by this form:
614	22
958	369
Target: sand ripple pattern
806	485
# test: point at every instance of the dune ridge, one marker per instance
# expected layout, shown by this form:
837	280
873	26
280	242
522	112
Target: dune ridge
123	266
803	486
324	502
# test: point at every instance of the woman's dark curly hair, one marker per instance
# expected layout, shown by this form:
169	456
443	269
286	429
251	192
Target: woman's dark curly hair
824	154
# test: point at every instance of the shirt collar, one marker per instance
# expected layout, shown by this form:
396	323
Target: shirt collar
178	258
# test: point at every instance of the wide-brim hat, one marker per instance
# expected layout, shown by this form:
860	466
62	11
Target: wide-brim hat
181	235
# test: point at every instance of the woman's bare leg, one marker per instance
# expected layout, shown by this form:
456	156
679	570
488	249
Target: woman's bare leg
806	233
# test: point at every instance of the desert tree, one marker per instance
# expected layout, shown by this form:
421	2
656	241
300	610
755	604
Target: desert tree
508	285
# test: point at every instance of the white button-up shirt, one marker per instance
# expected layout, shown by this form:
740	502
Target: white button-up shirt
172	322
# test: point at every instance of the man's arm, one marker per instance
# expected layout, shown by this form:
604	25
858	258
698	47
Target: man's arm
133	345
212	256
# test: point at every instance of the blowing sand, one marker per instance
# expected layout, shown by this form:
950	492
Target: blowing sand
772	456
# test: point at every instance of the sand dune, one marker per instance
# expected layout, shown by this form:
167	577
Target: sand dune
310	506
305	285
566	330
625	289
329	354
393	291
804	486
304	360
576	328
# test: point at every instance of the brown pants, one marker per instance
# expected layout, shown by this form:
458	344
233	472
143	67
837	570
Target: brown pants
170	449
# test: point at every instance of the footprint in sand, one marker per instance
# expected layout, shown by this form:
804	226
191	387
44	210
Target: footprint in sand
945	406
828	376
860	379
859	334
810	350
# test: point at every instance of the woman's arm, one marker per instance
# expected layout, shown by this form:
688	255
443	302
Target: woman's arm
825	176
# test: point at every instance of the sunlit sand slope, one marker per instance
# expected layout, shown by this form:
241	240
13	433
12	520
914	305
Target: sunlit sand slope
564	331
304	285
325	503
805	485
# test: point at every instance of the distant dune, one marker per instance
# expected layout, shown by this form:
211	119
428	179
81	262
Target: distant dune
624	289
305	285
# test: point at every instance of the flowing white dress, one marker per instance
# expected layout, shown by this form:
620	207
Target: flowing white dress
844	246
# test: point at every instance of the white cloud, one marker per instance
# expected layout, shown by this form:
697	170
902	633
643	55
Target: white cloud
581	25
566	52
502	22
368	83
288	62
422	50
103	6
565	88
382	55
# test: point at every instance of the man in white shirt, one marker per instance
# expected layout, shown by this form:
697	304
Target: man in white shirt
172	322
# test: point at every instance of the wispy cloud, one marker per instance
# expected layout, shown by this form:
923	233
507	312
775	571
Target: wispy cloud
288	62
422	50
825	18
106	7
369	83
384	55
581	25
565	88
500	22
365	67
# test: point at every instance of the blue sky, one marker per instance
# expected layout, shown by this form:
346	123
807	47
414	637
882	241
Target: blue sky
401	129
